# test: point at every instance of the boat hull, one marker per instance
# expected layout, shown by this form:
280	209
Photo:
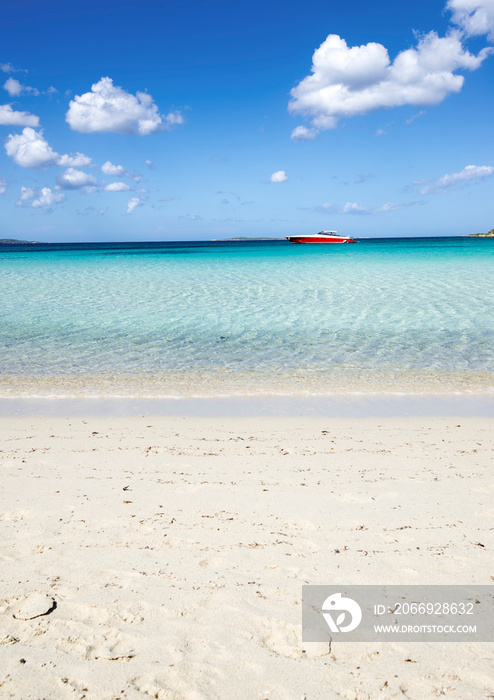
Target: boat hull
319	239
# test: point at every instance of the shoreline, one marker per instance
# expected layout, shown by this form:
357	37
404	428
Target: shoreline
218	383
336	405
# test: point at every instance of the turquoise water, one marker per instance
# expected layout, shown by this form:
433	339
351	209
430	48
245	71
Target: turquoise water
204	319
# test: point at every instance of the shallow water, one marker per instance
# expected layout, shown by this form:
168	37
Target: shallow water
209	319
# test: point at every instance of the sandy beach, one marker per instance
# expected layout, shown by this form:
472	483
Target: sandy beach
163	557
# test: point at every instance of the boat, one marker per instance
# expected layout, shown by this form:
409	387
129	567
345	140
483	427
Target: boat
321	237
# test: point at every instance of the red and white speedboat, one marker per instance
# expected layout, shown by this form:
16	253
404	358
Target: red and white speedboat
321	237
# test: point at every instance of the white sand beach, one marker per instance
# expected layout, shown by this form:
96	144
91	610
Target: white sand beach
163	557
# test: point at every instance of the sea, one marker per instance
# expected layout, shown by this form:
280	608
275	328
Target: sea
408	316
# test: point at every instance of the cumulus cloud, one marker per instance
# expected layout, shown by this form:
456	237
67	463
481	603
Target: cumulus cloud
109	108
471	173
174	119
3	185
15	88
346	81
278	176
354	208
31	150
26	193
109	169
76	160
9	117
117	187
118	170
73	179
39	199
133	203
475	17
302	133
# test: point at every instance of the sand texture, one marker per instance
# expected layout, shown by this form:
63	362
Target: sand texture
164	557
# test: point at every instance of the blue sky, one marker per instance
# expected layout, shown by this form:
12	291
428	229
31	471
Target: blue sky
199	119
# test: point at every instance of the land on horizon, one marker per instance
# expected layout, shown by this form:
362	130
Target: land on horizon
14	241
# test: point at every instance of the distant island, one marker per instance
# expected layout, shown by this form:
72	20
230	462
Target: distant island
483	235
15	241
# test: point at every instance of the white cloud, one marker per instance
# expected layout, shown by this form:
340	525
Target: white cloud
149	164
470	173
392	206
354	208
414	117
26	193
46	198
109	108
9	117
3	185
9	68
31	150
73	179
302	133
475	17
346	81
76	160
133	203
174	119
117	187
41	199
118	170
109	169
12	86
15	88
278	176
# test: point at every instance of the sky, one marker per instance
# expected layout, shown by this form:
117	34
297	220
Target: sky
205	119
